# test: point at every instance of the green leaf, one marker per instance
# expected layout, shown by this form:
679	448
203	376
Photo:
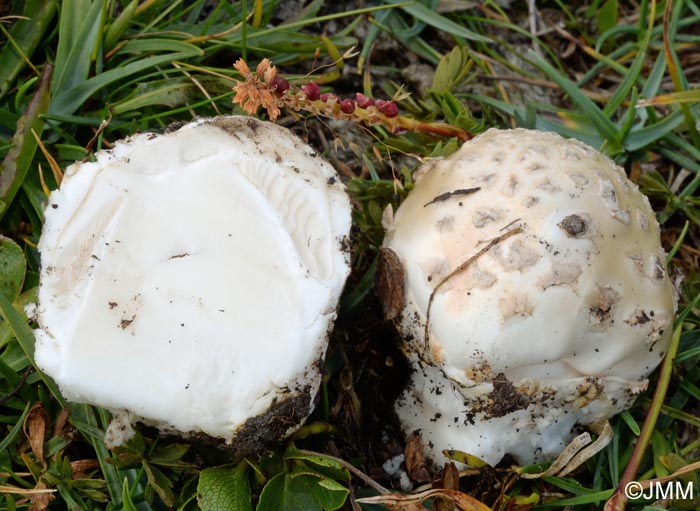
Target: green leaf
451	70
169	454
16	164
631	423
454	111
23	38
286	493
302	489
13	267
660	447
160	483
331	494
224	489
127	503
607	16
323	464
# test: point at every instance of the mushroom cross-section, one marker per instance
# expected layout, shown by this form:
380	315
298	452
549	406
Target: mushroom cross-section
190	279
536	294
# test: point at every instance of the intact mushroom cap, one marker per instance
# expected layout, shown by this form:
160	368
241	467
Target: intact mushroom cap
191	279
539	267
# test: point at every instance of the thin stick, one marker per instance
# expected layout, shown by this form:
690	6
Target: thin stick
14	391
461	268
356	471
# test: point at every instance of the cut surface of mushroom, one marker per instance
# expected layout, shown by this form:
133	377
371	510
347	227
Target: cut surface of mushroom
191	278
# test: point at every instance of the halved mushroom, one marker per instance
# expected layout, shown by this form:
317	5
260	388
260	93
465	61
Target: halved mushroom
536	295
190	280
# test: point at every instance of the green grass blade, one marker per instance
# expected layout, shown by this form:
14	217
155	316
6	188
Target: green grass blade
580	500
647	135
159	45
18	160
117	28
685	96
79	31
420	12
655	78
320	19
635	69
605	126
69	101
10	437
171	93
23	38
25	338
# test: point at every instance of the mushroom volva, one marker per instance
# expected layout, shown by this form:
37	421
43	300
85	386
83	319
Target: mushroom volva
189	280
535	295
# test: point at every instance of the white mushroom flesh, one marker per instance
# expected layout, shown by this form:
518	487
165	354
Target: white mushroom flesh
557	324
191	278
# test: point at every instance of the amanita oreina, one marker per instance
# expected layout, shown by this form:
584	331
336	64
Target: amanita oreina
535	295
189	280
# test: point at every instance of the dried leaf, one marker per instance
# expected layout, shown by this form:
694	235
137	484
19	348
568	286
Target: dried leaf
15	490
80	468
415	462
61	425
450	481
40	498
35	426
580	450
450	476
390	283
397	501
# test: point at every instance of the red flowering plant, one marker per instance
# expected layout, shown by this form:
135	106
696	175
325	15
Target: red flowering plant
265	88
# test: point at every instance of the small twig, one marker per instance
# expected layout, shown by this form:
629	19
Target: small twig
14	391
351	468
461	268
98	132
454	193
509	224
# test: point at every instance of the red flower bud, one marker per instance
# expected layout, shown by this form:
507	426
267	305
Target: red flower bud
327	96
363	101
347	106
388	108
280	85
311	90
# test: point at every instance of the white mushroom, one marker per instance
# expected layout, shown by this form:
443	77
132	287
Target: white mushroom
190	279
534	266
